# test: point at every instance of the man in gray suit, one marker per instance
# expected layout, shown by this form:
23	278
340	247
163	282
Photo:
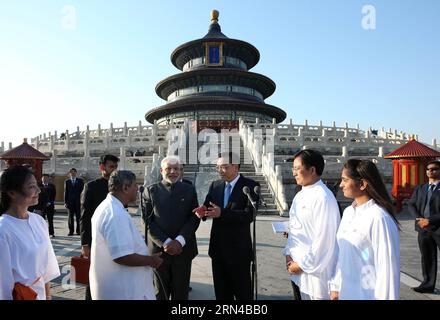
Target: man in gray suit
171	228
425	206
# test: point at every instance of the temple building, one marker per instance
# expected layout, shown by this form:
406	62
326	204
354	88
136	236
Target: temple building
215	87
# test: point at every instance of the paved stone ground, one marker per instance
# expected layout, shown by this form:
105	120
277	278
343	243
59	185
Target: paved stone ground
273	281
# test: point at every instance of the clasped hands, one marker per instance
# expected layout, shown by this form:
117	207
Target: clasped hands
422	222
173	248
213	211
292	267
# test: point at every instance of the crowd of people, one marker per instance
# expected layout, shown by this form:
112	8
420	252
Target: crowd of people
329	254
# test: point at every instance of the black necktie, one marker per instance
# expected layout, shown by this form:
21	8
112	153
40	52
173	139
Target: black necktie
427	210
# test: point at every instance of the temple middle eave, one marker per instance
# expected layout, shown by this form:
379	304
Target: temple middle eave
208	76
215	103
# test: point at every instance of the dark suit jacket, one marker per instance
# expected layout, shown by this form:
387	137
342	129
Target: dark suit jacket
93	194
169	214
72	193
46	199
230	233
416	206
187	181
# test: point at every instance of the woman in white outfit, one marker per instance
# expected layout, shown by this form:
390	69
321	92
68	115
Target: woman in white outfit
26	253
368	265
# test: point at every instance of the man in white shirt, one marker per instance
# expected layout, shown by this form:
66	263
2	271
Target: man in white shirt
121	267
314	219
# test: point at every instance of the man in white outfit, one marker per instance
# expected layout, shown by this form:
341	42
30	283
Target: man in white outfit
311	248
121	267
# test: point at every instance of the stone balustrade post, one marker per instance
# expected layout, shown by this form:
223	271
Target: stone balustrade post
154	133
67	143
271	160
122	159
380	155
344	151
106	139
53	162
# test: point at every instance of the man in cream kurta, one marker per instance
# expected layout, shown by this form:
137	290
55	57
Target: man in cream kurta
120	263
311	248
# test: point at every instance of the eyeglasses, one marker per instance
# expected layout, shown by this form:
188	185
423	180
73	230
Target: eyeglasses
223	167
432	169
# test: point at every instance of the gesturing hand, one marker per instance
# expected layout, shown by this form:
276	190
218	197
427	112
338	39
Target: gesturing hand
213	210
200	212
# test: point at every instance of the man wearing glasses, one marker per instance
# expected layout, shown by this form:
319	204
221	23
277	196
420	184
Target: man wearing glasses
425	206
230	244
313	222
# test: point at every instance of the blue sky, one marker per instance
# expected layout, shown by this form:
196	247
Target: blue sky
56	74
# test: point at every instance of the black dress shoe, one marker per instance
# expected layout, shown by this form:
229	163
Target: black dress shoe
78	234
52	235
423	290
70	234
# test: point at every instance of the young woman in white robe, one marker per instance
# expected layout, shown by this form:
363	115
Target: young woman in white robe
26	253
368	265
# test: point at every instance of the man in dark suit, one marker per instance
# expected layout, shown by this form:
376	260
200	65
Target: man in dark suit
46	201
425	206
93	194
72	196
182	168
170	228
230	245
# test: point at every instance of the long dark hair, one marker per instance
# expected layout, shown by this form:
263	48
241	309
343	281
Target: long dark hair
365	169
12	179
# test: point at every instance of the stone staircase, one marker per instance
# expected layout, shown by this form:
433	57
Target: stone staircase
201	175
249	172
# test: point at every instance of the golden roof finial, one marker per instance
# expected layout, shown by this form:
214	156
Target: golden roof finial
214	16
